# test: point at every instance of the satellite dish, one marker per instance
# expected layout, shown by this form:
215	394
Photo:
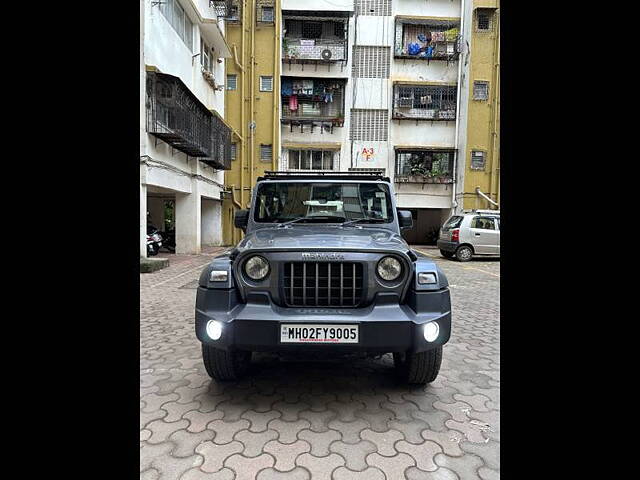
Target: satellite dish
326	54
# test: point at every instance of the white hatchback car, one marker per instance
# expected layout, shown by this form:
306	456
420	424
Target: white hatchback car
469	234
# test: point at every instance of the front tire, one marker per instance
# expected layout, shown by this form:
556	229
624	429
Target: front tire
464	253
418	368
446	254
223	364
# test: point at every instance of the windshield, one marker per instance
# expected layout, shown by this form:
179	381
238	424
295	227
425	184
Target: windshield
322	202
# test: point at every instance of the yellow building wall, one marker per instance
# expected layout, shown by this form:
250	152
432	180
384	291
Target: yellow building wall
483	123
255	48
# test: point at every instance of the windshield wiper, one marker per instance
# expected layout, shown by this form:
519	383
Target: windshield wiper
325	217
364	219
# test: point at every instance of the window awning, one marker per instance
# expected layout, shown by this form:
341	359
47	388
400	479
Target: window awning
423	147
312	146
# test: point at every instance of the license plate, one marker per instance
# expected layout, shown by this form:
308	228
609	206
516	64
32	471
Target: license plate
317	333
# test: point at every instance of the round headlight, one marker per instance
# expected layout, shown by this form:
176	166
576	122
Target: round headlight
389	269
256	268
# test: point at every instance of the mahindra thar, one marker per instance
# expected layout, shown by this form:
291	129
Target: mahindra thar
323	267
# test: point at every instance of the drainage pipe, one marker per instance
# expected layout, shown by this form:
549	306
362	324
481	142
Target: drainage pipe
479	192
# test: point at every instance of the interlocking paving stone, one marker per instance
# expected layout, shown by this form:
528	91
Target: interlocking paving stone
422	453
319	441
288	431
354	454
214	454
321	468
226	430
318	417
393	467
260	420
254	442
371	473
384	442
248	468
273	474
286	455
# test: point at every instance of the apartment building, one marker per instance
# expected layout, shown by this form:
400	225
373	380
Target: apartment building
185	144
360	84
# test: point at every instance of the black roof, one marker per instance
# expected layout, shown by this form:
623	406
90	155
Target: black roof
369	174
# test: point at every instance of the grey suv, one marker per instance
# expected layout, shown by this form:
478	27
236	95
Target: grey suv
469	234
323	268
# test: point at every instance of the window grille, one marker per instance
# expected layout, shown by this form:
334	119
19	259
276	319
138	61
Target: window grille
369	125
373	7
179	20
266	84
371	62
480	90
310	101
431	165
424	102
311	159
234	151
311	29
484	19
477	160
436	39
265	11
232	82
266	153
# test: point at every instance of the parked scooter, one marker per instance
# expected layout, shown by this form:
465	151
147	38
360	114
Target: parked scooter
169	240
154	240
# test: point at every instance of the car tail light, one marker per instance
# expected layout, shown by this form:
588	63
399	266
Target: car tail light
455	235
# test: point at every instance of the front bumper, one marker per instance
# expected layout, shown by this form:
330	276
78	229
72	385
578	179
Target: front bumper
384	326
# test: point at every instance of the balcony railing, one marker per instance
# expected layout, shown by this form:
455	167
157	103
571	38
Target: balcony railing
427	39
229	10
319	99
314	49
177	117
424	166
424	102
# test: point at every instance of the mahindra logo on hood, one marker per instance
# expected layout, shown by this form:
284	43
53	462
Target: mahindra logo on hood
323	256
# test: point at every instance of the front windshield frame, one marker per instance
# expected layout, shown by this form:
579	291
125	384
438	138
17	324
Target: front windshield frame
373	202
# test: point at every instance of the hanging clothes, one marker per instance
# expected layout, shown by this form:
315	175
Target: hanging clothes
307	87
452	34
296	86
437	36
293	103
286	87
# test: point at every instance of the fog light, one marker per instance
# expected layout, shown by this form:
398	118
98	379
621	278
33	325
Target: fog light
426	278
214	329
431	331
218	276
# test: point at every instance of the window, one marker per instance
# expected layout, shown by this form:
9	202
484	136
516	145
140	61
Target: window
484	223
373	7
310	159
318	98
484	19
179	20
232	82
234	151
480	90
424	102
266	84
265	153
371	62
206	56
267	14
426	163
369	125
427	40
453	222
477	160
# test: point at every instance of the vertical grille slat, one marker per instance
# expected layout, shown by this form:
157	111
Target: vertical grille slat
322	284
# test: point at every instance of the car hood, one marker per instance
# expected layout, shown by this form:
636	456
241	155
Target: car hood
323	238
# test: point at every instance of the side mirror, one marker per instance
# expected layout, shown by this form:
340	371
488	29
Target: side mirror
241	219
405	219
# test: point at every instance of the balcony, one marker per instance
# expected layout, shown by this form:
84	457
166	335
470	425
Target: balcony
427	165
177	117
424	102
312	101
314	40
427	39
229	10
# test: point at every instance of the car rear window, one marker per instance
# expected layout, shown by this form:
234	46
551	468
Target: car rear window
453	222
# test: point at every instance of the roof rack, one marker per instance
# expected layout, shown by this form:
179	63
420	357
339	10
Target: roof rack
483	212
364	174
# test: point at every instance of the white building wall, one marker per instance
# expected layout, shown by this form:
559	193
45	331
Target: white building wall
163	167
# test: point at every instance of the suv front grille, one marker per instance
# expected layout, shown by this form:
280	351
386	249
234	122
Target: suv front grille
323	284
